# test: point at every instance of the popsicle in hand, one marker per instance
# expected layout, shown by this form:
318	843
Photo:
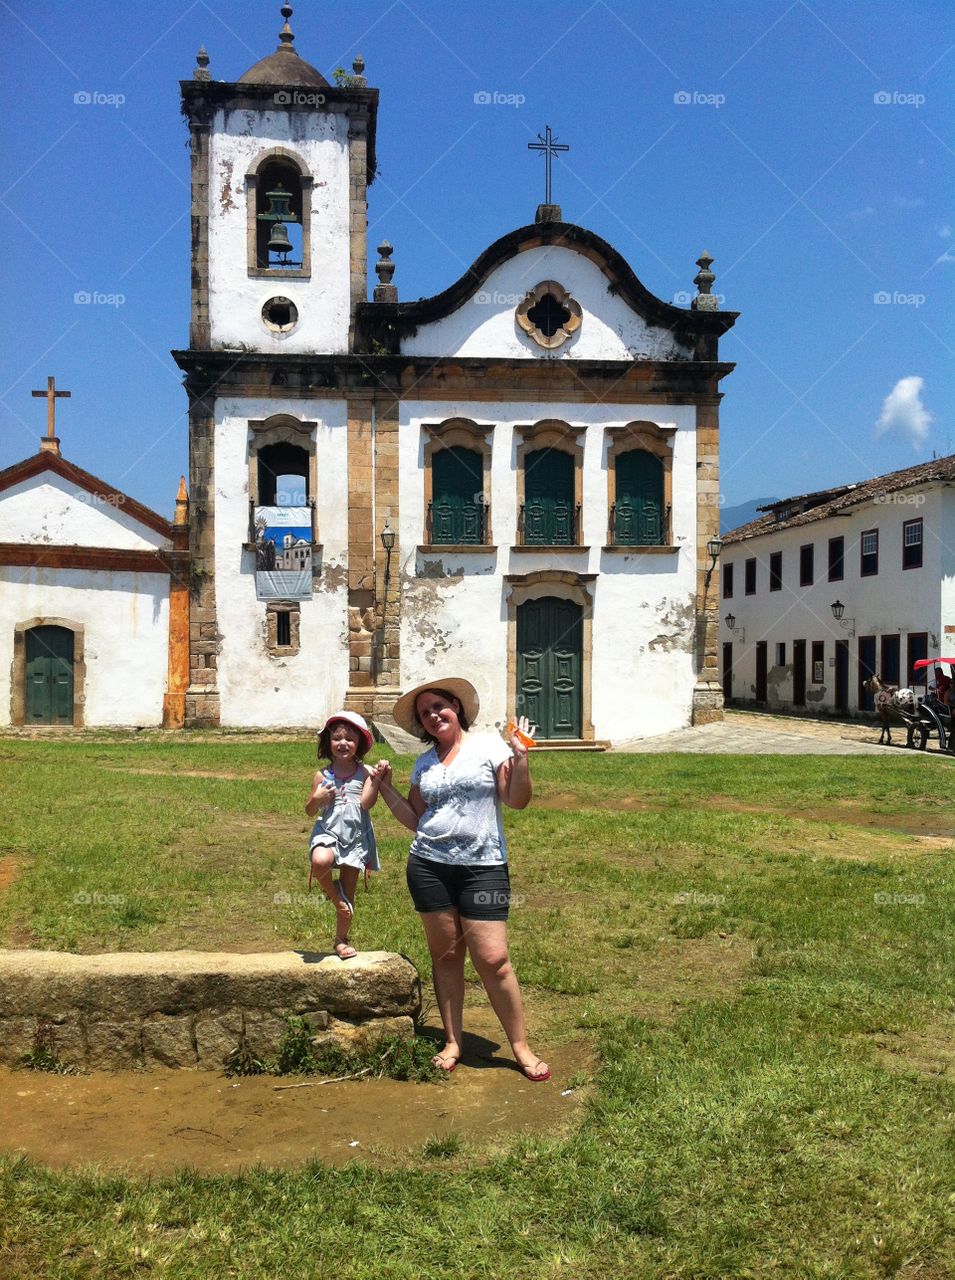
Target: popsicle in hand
525	738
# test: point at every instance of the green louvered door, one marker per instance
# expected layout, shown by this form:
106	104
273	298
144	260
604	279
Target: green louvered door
49	676
638	512
549	498
549	660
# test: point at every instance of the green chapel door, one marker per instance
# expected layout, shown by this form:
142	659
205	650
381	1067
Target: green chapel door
49	676
549	661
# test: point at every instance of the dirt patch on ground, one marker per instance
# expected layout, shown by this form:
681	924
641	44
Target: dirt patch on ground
8	871
161	1120
929	1051
242	775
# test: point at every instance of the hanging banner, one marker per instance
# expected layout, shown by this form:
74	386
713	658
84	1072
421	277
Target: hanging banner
283	553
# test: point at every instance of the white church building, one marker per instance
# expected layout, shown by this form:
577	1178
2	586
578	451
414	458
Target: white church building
513	480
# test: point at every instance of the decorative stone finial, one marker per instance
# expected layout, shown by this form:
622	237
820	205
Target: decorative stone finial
704	300
285	35
358	66
182	503
202	62
385	291
549	213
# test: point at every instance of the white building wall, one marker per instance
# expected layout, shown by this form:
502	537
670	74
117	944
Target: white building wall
125	617
47	508
454	608
895	601
237	140
485	324
256	688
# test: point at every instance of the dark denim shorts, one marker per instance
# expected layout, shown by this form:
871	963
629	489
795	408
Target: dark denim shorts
475	892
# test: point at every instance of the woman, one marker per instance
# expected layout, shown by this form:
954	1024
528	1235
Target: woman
457	868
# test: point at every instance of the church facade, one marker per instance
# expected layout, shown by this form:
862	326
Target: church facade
514	480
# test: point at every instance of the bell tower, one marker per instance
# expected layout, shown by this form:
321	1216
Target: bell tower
281	161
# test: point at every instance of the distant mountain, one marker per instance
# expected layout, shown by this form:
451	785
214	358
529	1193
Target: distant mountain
733	517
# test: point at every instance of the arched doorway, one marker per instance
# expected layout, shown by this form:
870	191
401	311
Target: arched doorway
48	675
550	665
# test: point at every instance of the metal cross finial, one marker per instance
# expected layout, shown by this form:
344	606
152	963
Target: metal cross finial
51	395
549	145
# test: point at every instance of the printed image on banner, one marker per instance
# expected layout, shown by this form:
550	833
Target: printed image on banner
283	553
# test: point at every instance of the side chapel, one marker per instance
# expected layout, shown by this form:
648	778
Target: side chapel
515	479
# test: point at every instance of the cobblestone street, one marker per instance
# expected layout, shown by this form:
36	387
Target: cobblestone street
758	733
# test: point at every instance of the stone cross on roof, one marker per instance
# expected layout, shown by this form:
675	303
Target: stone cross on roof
50	441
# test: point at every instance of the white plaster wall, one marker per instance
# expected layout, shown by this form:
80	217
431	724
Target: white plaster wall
257	689
946	555
894	601
48	508
126	621
642	676
485	325
235	299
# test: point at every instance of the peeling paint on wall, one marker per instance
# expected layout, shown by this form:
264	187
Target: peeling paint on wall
225	197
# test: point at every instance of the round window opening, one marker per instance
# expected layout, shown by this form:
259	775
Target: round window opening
549	315
280	315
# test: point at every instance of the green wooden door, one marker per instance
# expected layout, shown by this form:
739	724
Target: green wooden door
457	482
549	661
548	498
49	676
638	513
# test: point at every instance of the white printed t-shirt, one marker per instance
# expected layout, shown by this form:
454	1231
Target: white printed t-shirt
462	821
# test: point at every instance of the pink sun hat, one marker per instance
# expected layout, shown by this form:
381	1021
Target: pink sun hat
355	720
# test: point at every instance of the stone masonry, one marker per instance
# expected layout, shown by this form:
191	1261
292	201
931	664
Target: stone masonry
192	1009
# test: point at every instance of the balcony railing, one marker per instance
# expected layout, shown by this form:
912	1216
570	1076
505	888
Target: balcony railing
450	524
548	526
629	528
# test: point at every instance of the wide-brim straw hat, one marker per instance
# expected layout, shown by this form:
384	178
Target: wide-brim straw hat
356	721
463	690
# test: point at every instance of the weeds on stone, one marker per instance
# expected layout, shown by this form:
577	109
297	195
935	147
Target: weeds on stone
243	1062
390	1056
43	1056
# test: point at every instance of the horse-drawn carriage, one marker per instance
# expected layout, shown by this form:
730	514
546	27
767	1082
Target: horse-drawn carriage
924	718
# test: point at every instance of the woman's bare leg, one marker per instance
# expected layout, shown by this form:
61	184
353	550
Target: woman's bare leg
446	944
487	943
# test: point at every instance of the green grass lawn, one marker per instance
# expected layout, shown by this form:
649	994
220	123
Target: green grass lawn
742	937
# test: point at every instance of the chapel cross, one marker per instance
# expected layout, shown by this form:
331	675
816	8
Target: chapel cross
51	395
549	146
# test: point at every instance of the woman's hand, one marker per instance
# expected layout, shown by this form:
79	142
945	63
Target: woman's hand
522	735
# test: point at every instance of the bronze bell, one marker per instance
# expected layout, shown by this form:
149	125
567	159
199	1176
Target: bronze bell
278	240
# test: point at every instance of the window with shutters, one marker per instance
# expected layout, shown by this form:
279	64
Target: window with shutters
549	485
776	572
639	513
457	484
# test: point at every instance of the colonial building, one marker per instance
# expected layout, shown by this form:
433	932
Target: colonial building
94	599
827	588
514	480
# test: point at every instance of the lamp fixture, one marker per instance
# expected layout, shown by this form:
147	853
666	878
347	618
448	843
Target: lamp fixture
714	547
838	612
737	633
387	536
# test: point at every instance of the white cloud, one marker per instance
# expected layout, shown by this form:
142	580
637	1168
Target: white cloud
907	202
867	212
904	413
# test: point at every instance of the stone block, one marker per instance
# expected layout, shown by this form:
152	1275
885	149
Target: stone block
264	1032
217	1034
17	1039
167	1039
111	1046
360	1034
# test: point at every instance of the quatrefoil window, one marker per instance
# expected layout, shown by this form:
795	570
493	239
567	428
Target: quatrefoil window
549	315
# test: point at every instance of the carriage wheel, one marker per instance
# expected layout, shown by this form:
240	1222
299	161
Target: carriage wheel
921	736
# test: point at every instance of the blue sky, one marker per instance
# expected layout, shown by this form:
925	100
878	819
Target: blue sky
808	147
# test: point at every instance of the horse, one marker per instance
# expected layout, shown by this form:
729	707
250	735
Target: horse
888	697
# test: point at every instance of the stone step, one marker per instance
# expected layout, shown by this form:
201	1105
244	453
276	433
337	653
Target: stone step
572	744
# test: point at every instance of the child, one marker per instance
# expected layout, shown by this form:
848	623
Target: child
342	836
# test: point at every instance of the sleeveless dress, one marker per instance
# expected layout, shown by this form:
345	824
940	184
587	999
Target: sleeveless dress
345	826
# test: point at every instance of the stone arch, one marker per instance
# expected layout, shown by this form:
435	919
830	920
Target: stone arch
256	181
651	438
458	433
551	433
